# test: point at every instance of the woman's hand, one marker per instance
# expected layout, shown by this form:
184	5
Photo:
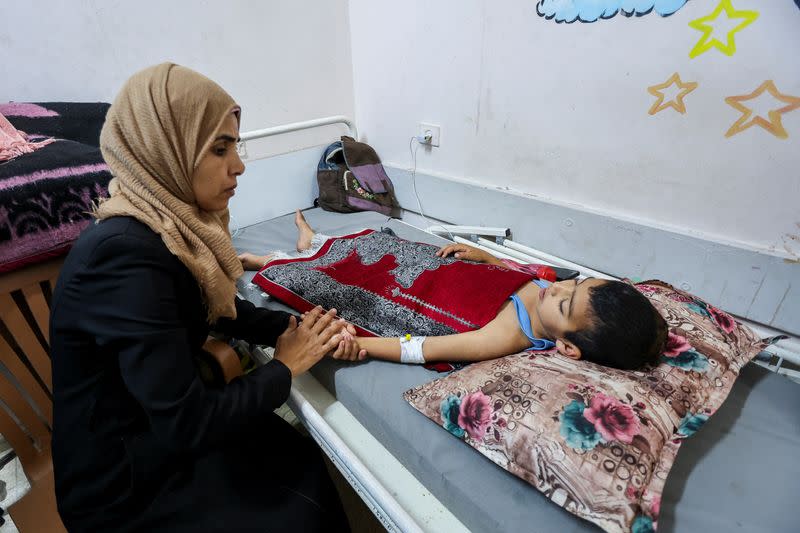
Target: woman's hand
345	325
254	262
468	253
300	347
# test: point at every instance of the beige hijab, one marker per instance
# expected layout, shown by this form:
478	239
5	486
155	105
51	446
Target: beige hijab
155	134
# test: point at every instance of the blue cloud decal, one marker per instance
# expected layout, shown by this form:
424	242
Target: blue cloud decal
592	10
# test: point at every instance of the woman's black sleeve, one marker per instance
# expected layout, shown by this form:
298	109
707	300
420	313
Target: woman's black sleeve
136	318
254	324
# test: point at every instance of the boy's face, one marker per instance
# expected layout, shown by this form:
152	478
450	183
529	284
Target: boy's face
564	307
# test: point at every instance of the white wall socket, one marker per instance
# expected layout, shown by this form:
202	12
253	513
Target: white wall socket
435	132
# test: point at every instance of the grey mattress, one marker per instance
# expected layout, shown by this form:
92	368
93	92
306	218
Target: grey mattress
740	473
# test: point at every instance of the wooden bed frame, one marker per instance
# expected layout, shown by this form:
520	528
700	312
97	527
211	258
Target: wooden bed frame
27	388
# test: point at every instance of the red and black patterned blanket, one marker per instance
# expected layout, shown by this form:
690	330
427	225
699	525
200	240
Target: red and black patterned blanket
389	286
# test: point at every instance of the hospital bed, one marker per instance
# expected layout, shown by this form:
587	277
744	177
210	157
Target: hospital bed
740	472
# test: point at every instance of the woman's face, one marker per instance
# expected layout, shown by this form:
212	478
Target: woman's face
214	179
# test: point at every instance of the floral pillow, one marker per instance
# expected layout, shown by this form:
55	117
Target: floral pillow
597	441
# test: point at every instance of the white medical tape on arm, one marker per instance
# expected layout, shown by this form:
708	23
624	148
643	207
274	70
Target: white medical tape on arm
411	350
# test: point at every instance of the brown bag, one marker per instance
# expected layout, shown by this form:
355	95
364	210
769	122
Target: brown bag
351	178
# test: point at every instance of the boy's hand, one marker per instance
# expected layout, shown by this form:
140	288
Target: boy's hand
468	253
349	349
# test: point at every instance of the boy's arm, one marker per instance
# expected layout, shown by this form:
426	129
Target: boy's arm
470	253
502	336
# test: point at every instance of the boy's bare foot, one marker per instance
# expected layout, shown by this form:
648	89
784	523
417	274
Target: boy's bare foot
305	232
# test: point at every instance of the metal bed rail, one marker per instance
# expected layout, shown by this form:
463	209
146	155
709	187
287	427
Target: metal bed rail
299	126
382	504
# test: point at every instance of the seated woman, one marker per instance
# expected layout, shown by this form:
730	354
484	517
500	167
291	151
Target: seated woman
606	322
140	442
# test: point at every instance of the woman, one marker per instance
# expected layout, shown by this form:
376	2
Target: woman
606	322
140	443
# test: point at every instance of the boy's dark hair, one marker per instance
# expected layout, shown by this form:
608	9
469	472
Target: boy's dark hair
626	331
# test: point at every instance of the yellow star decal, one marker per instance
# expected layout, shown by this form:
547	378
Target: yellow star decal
774	124
676	104
707	41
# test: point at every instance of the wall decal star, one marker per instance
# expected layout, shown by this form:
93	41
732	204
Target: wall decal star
774	125
708	41
675	103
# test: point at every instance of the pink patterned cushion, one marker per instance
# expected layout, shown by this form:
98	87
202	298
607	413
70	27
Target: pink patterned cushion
597	441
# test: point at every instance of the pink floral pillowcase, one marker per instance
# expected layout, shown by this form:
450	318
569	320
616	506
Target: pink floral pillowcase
597	441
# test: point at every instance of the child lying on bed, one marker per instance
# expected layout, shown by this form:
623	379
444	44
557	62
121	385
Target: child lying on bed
607	322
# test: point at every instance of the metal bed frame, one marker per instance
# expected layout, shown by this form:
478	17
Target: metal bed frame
394	495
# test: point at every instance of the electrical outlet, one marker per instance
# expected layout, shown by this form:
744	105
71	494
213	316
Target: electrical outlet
433	130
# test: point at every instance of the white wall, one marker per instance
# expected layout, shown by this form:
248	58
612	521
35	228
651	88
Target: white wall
282	61
560	111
